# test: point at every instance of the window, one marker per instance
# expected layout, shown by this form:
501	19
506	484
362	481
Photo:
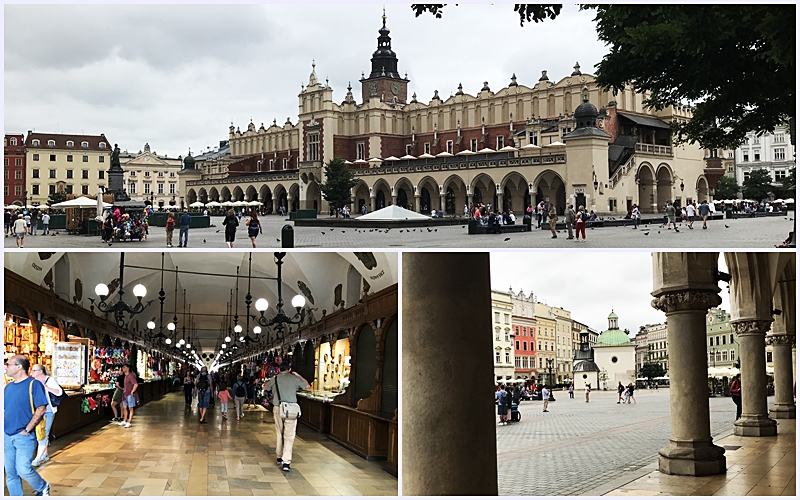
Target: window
497	317
52	157
146	188
161	174
533	138
500	142
313	147
506	335
524	346
84	144
769	356
497	334
172	174
746	175
51	143
13	141
69	158
160	188
497	357
70	144
69	173
733	355
84	189
779	138
101	174
427	147
68	189
85	159
84	174
450	147
540	345
516	362
780	175
272	164
516	345
408	149
101	159
508	357
35	156
35	189
710	341
756	155
731	338
285	163
52	173
171	188
779	154
132	188
18	174
506	317
146	174
360	151
35	173
102	145
473	145
35	143
745	156
18	162
724	355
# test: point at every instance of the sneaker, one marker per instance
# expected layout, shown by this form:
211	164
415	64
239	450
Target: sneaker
501	423
37	462
115	419
127	425
121	423
286	467
238	418
45	458
45	491
280	461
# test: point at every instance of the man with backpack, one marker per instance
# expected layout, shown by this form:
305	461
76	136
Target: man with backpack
239	390
202	389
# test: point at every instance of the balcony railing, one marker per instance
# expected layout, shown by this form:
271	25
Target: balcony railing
622	172
654	149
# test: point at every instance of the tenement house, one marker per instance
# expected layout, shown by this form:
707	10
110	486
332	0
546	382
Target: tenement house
151	177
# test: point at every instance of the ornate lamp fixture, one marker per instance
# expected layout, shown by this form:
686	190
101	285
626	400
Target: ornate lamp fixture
280	321
161	296
120	307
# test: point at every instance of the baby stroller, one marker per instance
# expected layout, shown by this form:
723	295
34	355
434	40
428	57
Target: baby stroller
515	415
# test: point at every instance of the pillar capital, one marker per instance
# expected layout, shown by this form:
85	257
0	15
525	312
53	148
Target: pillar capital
781	339
686	301
751	327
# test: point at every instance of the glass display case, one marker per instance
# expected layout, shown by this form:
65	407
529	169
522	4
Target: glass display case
69	364
332	367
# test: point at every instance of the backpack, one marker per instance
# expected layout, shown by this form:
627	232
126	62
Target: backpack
202	384
240	391
57	400
584	217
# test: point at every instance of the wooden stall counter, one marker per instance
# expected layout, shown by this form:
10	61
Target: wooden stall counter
315	412
365	434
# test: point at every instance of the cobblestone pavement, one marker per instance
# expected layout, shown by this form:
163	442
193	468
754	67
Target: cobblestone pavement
577	447
740	233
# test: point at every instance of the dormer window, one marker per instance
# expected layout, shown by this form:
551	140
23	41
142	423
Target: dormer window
51	143
102	145
84	144
70	144
35	143
13	141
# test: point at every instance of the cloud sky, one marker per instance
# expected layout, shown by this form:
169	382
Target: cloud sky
588	284
176	76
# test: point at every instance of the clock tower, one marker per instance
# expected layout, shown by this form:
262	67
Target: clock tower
384	81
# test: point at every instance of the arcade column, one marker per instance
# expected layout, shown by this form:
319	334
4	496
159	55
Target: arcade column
783	340
445	344
685	288
372	206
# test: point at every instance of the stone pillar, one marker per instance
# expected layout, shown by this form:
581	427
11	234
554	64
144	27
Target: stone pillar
394	200
499	207
442	203
372	203
417	207
469	201
754	421
654	205
685	288
447	341
784	406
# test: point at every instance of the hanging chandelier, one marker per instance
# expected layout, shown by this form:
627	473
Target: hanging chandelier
120	308
281	320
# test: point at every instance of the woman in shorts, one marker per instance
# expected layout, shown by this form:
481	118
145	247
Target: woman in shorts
253	227
116	399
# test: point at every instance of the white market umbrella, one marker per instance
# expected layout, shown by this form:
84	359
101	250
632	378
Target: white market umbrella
213	204
444	154
408	157
789	200
374	160
555	144
360	162
196	204
508	148
426	155
466	152
226	204
81	202
254	203
348	162
531	146
391	158
239	203
486	151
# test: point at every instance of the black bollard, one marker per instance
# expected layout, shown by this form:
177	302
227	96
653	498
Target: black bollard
287	236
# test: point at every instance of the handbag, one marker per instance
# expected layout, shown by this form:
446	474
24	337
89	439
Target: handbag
57	400
289	411
41	429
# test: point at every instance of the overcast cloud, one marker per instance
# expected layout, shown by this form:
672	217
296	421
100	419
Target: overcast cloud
588	284
176	76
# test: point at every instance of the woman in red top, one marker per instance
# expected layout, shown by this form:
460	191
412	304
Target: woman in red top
170	228
736	395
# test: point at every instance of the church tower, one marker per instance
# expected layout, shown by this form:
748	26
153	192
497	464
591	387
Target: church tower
384	81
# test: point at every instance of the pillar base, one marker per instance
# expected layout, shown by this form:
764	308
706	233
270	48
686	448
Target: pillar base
755	426
691	459
782	410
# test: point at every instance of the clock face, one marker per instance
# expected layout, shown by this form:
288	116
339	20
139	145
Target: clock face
395	88
373	88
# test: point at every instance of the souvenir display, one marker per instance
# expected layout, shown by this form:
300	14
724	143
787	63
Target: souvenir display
69	361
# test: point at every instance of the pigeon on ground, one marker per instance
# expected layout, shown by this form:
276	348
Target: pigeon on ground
278	240
726	226
204	240
343	230
323	233
462	227
435	230
218	230
331	229
646	233
506	239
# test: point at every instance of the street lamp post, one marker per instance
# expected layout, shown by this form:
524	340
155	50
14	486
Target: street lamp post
550	364
25	199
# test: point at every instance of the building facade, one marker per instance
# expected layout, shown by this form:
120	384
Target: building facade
503	354
722	341
657	351
510	147
151	178
14	191
524	327
772	152
615	355
71	164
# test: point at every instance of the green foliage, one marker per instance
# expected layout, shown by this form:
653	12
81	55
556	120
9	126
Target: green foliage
758	186
338	182
788	185
652	370
56	197
735	64
727	189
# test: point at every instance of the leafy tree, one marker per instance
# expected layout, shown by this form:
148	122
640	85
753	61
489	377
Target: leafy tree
727	188
758	186
714	57
652	370
338	183
56	197
788	185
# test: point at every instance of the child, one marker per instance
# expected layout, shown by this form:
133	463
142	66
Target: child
224	396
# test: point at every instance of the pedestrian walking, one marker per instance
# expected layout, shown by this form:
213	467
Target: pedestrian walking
545	398
239	396
108	229
690	213
27	217
736	395
46	223
203	388
284	387
587	390
130	395
20	229
36	218
580	224
7	221
183	236
553	220
39	372
224	397
509	402
188	388
571	391
116	398
620	391
705	211
231	222
25	403
669	211
569	218
629	398
170	227
500	398
636	216
254	226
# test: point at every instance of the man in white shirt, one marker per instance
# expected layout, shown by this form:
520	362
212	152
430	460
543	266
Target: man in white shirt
20	229
545	397
690	212
46	223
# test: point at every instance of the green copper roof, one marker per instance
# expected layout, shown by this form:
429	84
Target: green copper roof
613	315
613	337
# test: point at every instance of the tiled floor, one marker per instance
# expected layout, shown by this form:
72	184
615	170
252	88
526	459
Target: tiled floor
759	467
166	452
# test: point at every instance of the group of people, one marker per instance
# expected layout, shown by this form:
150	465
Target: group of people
124	226
625	394
673	211
231	222
126	396
24	222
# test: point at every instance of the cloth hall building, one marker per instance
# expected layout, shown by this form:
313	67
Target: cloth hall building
565	141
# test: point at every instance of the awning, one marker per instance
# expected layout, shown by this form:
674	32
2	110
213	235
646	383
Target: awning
645	121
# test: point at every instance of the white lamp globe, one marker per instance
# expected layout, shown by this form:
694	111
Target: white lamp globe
241	339
298	301
188	345
139	290
101	289
168	341
224	346
151	325
262	305
227	338
237	328
256	330
171	326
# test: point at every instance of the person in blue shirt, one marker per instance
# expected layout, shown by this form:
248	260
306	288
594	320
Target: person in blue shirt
25	402
183	236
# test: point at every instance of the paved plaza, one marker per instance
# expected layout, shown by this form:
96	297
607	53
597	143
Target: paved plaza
763	232
578	448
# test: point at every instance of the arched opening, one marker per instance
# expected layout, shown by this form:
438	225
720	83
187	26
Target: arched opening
644	178
390	387
191	196
404	191
702	189
450	201
213	194
361	195
425	201
550	189
203	195
313	198
238	194
252	194
455	185
402	198
294	191
664	180
516	196
265	197
225	194
367	364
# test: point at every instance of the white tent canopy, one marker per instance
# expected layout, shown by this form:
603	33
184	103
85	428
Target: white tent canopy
393	212
391	158
196	204
213	204
408	157
531	146
486	150
444	154
80	202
